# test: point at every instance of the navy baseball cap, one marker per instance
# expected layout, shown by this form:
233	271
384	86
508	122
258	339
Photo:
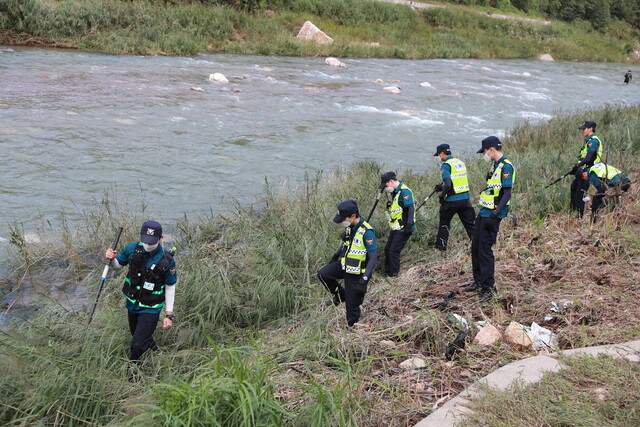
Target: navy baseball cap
386	177
490	141
588	124
442	148
150	232
345	209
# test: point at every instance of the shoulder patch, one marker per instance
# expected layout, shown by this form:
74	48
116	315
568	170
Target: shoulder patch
370	241
506	174
590	144
173	270
406	197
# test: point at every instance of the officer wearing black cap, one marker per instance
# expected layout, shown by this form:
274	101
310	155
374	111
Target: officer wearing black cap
401	217
494	205
602	177
454	196
590	154
149	286
354	261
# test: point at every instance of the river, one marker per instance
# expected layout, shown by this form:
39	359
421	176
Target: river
75	124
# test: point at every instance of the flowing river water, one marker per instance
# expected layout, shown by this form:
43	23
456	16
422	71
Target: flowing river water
75	125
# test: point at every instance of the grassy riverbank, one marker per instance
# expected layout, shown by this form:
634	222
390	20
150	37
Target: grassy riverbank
360	29
253	344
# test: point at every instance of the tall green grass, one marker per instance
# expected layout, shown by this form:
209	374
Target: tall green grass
250	323
360	28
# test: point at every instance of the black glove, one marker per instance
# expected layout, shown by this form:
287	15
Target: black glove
335	257
361	288
492	222
441	200
363	280
573	170
438	187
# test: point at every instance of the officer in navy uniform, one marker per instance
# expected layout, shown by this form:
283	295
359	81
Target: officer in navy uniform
454	196
401	217
590	154
494	205
149	286
354	261
603	176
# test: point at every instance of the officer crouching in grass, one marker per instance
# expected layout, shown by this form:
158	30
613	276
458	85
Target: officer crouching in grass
603	176
494	205
401	216
354	261
149	285
454	196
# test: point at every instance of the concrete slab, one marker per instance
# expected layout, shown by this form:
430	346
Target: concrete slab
528	371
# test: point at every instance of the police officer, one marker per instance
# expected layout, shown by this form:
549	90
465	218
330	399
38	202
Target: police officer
591	153
149	286
454	196
494	205
602	176
401	217
354	261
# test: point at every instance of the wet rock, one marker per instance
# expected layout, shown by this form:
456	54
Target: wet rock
487	336
425	84
334	62
379	81
517	336
310	32
392	89
545	57
218	78
413	363
197	89
525	74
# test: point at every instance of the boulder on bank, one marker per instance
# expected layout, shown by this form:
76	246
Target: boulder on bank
333	62
218	78
545	57
310	32
487	336
517	336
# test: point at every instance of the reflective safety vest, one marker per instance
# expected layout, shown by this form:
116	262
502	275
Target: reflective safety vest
146	286
354	252
605	171
490	197
585	149
394	210
459	178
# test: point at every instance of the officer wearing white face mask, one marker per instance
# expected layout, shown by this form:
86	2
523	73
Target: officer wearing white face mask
401	216
354	261
494	205
149	286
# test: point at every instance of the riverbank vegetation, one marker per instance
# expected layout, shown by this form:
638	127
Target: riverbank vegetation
360	28
253	342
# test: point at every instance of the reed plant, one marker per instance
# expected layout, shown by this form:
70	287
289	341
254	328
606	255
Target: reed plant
253	344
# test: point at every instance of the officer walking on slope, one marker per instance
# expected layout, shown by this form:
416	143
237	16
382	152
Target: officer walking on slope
354	261
494	205
590	154
149	286
454	196
401	216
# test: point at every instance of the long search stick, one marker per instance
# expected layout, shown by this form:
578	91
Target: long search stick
425	200
557	180
374	205
104	276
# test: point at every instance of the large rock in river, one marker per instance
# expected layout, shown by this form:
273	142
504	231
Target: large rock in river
312	33
545	57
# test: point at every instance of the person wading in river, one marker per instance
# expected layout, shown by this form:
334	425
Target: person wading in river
149	286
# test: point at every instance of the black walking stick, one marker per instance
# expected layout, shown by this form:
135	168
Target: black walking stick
558	180
425	200
104	276
375	204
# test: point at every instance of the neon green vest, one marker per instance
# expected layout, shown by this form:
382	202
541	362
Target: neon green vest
394	210
585	149
353	261
604	171
494	185
459	178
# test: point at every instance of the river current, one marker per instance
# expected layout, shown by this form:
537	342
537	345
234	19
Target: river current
75	125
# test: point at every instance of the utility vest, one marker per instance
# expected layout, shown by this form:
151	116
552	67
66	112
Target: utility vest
585	149
604	171
354	252
394	210
146	286
490	197
459	178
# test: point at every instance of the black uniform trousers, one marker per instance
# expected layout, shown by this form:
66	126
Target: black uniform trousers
142	326
482	253
397	240
579	189
465	212
352	293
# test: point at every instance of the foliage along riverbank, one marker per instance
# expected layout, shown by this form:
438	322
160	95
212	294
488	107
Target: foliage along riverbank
360	28
253	343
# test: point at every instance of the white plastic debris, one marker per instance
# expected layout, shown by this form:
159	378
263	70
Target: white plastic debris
543	338
457	320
